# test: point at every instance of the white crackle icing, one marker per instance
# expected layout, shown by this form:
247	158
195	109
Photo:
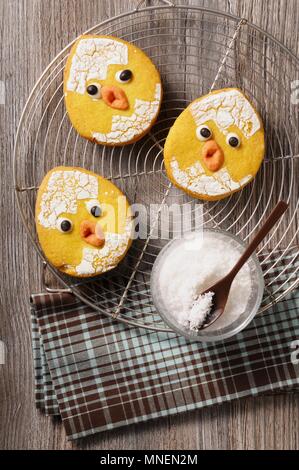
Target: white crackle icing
91	60
196	180
99	260
63	190
227	108
125	128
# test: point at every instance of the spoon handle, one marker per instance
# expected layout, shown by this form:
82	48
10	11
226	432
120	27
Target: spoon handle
276	213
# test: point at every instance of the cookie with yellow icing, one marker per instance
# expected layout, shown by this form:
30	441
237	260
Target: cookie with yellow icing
216	146
83	222
112	90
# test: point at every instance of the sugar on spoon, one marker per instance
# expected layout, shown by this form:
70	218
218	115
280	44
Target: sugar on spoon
221	289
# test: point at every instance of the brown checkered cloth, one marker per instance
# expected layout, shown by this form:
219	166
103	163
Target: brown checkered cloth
100	374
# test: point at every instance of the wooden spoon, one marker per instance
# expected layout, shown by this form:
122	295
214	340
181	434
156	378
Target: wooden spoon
221	288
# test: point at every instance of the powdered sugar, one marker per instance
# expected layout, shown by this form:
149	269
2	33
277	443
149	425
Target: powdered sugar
188	268
200	310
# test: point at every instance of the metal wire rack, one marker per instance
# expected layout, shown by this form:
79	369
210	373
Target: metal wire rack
196	50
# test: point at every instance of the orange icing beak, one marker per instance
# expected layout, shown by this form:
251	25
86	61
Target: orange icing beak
115	97
212	155
92	233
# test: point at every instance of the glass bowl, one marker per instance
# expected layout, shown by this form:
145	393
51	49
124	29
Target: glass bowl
212	333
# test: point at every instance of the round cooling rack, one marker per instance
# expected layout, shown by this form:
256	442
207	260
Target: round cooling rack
196	50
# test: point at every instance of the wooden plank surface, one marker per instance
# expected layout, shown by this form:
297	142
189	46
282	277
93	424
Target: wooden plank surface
32	32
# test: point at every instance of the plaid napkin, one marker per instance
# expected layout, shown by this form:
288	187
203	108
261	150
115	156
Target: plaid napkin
100	374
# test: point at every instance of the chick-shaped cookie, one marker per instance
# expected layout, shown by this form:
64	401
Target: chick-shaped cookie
216	146
112	90
83	222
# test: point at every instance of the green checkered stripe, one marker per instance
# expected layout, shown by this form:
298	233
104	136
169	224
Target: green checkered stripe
99	374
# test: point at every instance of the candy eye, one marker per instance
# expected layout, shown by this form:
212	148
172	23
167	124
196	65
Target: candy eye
203	133
233	140
94	90
124	76
96	211
94	208
64	225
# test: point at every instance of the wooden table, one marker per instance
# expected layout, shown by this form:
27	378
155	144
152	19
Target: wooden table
32	32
